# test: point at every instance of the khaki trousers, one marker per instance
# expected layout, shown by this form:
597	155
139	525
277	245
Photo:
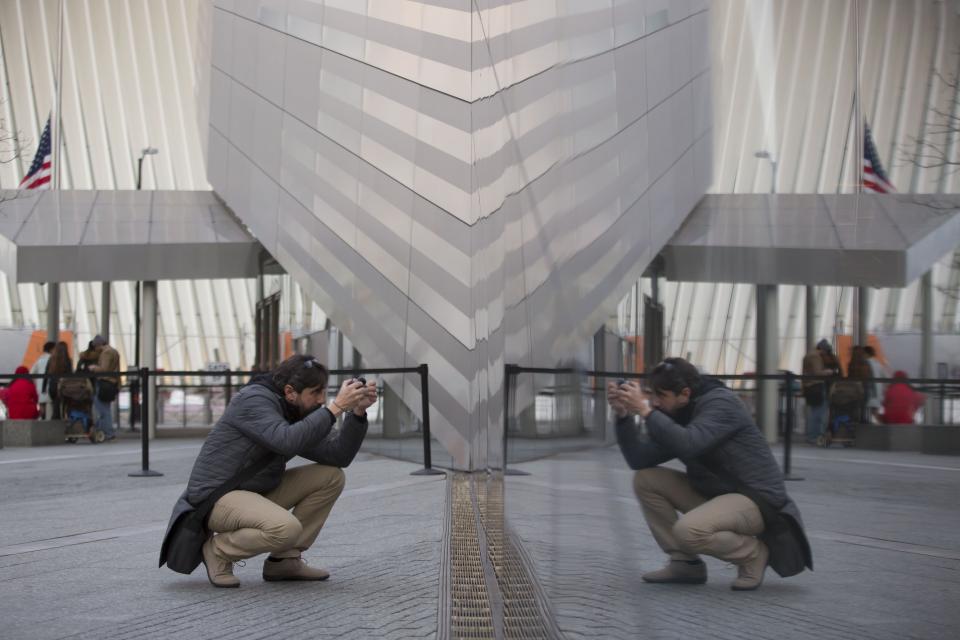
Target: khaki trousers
724	527
248	524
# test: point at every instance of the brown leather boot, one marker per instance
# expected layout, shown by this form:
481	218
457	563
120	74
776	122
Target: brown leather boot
750	573
678	572
219	569
275	570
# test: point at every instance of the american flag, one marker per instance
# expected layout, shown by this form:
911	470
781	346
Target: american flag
39	175
874	177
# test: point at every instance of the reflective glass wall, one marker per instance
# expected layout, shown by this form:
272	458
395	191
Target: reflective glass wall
786	118
785	114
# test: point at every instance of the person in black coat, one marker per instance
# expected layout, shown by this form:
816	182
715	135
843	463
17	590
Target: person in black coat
277	416
731	475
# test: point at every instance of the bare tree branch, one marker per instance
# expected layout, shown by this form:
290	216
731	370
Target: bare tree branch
951	293
10	142
11	148
936	149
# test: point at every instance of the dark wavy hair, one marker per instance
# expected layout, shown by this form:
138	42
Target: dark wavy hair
300	372
60	361
674	374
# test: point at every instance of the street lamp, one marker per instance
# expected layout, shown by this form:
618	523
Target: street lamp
773	177
147	151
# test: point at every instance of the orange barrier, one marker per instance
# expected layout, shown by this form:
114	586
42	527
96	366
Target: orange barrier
35	346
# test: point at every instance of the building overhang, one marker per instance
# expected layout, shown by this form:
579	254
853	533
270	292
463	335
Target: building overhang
862	240
78	236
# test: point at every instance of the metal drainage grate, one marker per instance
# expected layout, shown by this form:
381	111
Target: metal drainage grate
492	594
470	611
524	612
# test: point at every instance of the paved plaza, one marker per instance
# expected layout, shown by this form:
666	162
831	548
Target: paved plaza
79	542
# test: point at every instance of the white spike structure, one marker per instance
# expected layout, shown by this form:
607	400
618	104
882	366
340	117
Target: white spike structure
466	184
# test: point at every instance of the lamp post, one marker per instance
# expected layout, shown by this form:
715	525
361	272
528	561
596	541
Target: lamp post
134	385
768	340
147	151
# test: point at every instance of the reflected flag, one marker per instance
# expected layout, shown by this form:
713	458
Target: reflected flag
874	177
39	175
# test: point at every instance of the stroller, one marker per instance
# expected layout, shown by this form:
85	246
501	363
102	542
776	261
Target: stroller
76	398
846	398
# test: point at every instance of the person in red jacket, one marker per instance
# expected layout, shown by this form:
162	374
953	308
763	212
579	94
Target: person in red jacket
901	401
21	398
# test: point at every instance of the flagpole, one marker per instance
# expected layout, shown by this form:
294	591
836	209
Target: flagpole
858	111
53	288
860	298
58	89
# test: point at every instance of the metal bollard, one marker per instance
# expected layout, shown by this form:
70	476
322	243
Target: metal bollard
428	469
788	429
145	471
943	403
509	371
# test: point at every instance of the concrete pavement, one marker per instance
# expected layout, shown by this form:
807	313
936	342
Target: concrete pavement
79	542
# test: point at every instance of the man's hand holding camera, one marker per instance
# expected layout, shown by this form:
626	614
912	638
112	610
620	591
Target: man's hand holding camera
627	397
356	395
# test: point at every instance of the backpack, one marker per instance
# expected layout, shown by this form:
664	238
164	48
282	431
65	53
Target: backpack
74	389
846	393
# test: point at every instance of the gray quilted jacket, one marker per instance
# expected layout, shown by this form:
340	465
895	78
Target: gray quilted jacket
715	432
258	420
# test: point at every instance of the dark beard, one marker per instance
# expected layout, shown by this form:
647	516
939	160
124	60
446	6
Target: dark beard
304	414
294	413
684	414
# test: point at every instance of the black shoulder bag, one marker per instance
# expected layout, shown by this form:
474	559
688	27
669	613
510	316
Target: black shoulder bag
182	550
107	390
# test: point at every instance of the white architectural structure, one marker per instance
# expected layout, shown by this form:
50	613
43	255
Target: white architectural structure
465	184
783	78
139	73
128	84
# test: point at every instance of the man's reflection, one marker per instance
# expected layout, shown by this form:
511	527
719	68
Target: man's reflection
732	495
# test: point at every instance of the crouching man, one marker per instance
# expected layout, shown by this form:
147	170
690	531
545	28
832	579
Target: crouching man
732	497
277	416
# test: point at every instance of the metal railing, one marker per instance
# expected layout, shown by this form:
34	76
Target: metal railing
210	400
542	422
137	401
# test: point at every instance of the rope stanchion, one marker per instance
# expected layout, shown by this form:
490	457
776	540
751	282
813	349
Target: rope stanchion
788	429
428	469
509	371
145	471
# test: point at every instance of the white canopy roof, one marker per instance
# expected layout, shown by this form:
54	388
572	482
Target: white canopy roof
869	240
74	236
